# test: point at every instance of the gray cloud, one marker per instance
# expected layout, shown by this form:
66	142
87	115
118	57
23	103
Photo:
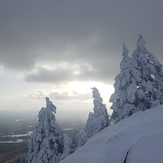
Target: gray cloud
76	32
48	75
39	94
67	74
67	96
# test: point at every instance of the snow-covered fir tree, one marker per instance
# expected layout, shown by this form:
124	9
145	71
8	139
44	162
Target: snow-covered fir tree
99	119
46	143
67	143
150	88
139	85
157	74
96	121
79	139
124	98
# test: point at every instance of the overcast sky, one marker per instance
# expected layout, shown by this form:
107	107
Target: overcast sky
62	48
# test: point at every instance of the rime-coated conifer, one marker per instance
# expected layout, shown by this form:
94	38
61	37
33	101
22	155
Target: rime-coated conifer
139	85
99	119
79	139
124	98
67	142
150	89
46	143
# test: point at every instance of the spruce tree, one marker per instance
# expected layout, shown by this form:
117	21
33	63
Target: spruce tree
96	121
139	85
124	98
67	145
46	142
79	139
99	119
150	89
157	74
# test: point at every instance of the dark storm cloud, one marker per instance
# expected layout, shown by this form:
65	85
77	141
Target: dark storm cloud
77	32
69	74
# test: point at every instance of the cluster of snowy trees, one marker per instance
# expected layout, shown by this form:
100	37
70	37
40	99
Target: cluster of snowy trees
139	85
48	144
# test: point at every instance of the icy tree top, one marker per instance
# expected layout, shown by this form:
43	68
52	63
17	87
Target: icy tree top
140	42
125	50
50	105
47	101
96	95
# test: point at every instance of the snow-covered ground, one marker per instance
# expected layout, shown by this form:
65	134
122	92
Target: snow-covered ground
137	139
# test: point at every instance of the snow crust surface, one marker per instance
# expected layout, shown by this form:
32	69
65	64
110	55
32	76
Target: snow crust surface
138	138
151	144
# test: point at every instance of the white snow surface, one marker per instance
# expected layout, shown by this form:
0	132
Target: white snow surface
141	136
150	143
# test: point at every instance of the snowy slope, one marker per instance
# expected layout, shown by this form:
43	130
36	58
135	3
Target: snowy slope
138	138
151	144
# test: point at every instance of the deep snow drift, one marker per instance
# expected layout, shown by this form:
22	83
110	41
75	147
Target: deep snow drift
138	138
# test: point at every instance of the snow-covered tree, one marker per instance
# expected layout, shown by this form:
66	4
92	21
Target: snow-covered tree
157	74
46	143
124	100
96	121
150	88
99	119
139	85
79	139
67	142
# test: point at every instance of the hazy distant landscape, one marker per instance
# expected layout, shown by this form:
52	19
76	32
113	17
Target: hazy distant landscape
13	124
16	122
21	122
15	130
